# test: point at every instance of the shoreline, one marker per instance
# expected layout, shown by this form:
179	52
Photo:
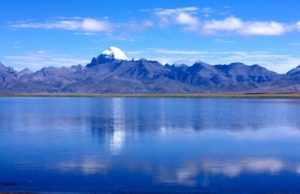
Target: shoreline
169	95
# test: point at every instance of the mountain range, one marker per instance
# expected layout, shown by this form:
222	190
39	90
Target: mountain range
113	72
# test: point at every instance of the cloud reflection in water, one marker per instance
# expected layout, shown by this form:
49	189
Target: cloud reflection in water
186	142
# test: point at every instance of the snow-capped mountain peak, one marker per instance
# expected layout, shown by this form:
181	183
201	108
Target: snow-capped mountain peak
114	53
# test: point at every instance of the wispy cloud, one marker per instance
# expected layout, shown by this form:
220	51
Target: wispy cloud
41	58
178	52
294	44
207	11
223	41
168	12
74	24
139	26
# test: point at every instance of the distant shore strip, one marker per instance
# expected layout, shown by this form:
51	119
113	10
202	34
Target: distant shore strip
160	95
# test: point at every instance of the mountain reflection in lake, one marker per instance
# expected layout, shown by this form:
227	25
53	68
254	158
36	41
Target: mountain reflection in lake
149	144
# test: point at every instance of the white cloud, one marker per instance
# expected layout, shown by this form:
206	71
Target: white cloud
182	16
234	25
188	19
229	24
191	22
74	24
263	28
93	25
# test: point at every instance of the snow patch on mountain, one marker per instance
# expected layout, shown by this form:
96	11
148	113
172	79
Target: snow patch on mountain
115	53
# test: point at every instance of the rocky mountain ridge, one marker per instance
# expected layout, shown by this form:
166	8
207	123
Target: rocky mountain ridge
113	72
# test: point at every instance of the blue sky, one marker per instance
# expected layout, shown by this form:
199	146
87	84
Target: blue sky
35	33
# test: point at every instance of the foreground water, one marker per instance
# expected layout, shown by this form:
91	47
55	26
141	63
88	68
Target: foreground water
149	144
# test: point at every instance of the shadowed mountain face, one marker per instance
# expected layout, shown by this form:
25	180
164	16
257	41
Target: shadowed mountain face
113	72
7	74
290	82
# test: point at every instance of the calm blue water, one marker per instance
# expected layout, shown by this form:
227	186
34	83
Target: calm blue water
150	144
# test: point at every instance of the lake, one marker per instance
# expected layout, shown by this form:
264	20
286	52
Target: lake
208	145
